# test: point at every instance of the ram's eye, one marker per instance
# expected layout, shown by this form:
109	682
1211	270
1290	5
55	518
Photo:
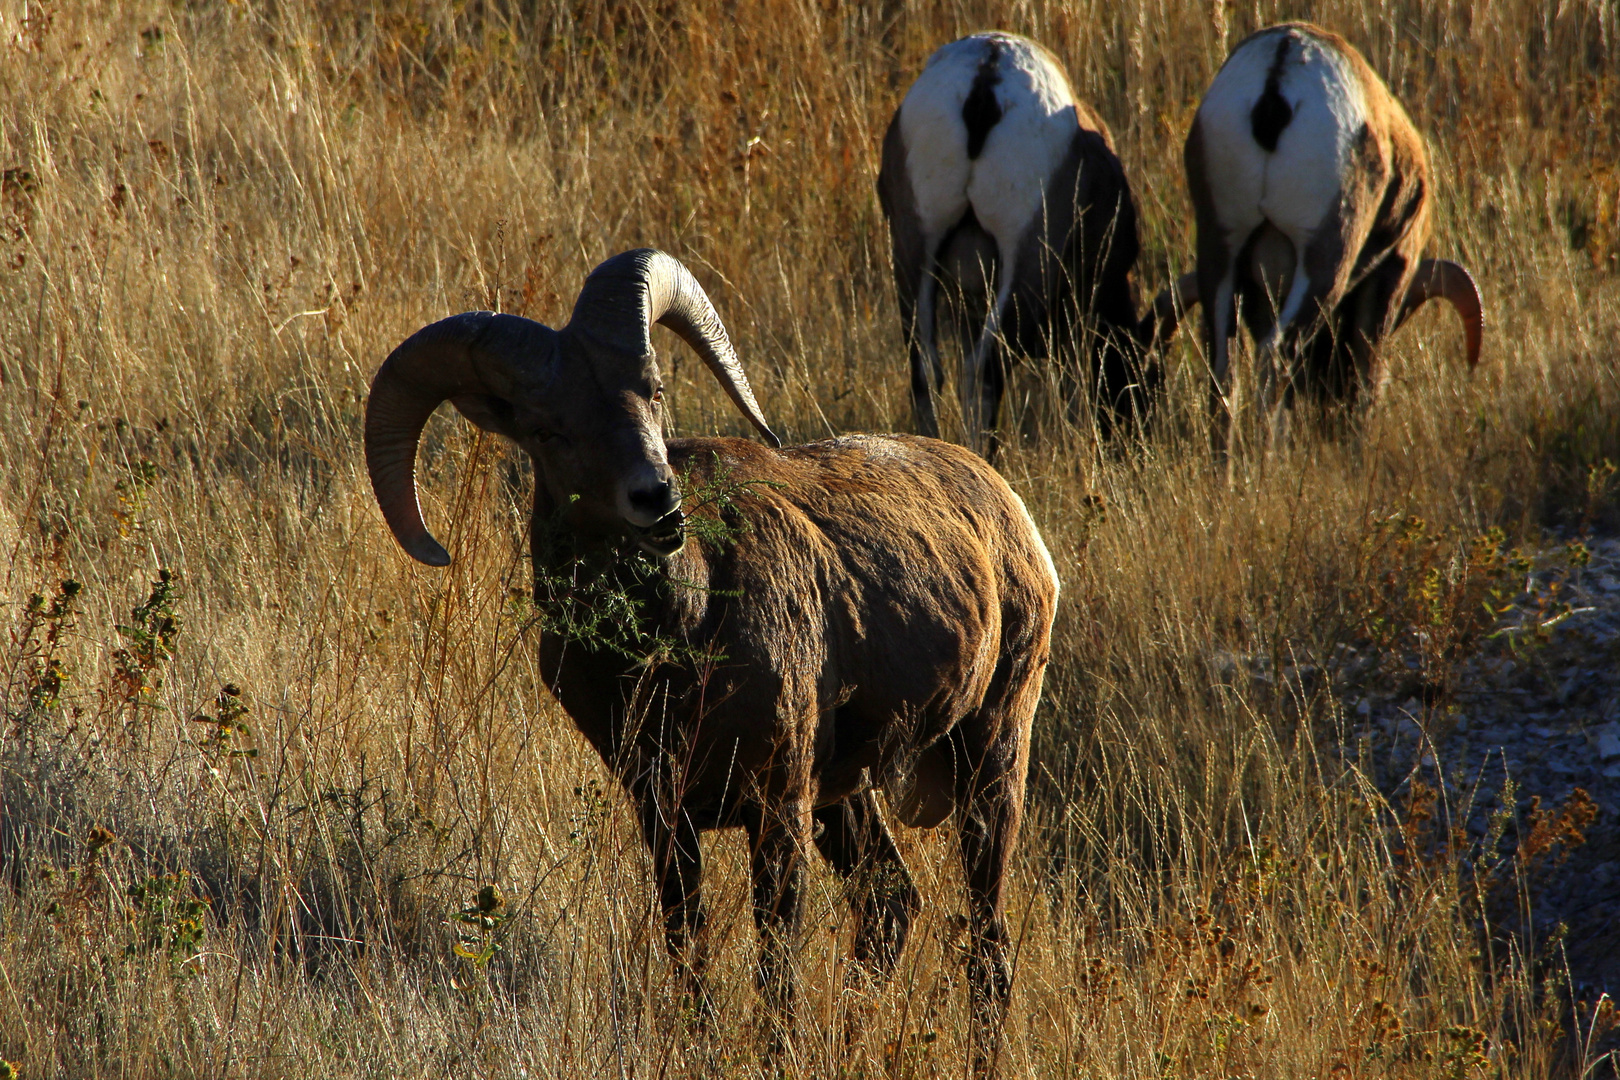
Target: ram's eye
658	396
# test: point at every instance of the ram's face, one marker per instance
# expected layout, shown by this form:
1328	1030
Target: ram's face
586	402
597	442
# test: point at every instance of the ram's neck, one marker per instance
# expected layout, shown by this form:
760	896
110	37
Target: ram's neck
605	597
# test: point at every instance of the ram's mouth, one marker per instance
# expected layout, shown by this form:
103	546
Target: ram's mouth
663	537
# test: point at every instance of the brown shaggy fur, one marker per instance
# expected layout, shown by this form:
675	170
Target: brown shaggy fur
883	606
792	629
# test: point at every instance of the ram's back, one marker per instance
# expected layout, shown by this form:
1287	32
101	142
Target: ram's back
879	577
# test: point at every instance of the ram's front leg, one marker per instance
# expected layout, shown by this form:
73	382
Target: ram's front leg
677	872
778	835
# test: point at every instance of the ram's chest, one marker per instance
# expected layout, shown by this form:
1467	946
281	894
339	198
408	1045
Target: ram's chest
614	625
625	708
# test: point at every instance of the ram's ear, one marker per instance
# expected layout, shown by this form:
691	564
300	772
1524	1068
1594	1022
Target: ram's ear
489	412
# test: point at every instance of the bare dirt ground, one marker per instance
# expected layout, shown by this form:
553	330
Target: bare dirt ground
1532	721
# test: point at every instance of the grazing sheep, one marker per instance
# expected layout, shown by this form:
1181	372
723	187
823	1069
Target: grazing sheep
1311	185
1009	210
809	625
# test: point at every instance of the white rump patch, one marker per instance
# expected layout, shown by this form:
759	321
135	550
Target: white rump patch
1297	187
1006	184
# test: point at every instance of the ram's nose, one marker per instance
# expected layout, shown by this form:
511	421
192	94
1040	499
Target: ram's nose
651	496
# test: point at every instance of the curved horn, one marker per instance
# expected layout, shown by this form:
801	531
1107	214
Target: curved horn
1443	278
624	296
1159	324
471	353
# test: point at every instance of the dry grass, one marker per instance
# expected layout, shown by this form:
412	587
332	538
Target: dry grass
217	218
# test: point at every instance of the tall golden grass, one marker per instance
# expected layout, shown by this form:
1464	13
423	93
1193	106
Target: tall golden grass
217	218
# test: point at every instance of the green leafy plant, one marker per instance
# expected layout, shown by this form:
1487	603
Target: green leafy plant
479	923
1421	592
1464	1051
133	490
74	890
167	917
602	596
38	642
149	635
225	729
1594	491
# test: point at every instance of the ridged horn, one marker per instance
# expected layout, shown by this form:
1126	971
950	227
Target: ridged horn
1445	279
627	294
476	352
1159	324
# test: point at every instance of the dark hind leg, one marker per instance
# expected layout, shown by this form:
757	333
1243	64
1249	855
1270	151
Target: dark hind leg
917	318
989	834
994	745
995	387
983	382
879	889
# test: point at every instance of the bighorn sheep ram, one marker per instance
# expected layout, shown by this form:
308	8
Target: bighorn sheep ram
1311	184
1009	211
866	612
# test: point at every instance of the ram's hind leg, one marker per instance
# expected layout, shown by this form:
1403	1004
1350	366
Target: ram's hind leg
989	834
994	743
984	365
918	318
854	839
